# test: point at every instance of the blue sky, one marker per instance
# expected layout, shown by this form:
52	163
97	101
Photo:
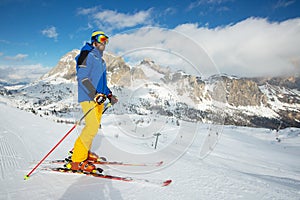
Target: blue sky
37	33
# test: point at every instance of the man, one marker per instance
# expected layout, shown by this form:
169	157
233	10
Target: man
91	69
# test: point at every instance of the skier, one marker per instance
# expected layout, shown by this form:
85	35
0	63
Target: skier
90	67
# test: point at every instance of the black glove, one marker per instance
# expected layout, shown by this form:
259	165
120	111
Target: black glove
100	98
112	99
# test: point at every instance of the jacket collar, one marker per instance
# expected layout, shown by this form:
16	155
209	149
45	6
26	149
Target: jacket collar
97	53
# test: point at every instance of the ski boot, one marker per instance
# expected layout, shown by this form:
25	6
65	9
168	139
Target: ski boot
84	166
94	157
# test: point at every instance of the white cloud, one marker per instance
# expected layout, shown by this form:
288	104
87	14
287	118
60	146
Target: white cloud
4	41
18	57
50	32
283	3
169	11
87	11
111	20
253	47
198	3
165	47
26	73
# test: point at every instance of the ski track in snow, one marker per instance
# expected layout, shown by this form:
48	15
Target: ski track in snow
10	160
245	164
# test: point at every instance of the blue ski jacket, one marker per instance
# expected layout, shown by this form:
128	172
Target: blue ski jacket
89	64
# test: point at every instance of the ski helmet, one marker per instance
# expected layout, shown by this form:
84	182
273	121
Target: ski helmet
99	36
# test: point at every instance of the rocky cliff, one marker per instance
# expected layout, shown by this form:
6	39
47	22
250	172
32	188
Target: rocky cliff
148	87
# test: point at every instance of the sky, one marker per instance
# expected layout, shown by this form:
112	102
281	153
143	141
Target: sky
235	37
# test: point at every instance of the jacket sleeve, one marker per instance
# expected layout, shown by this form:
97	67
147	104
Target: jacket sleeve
83	73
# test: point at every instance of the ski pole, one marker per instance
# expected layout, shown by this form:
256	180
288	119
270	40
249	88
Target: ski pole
106	107
77	123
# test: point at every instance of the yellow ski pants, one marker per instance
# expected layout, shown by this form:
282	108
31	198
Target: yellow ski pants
92	122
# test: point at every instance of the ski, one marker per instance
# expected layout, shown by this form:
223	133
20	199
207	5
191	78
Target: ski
111	177
157	164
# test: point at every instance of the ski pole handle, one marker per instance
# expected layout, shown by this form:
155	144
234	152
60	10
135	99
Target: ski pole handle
106	107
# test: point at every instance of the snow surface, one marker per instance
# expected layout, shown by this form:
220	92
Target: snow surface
246	163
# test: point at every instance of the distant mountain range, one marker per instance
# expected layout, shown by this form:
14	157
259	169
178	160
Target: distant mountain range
150	89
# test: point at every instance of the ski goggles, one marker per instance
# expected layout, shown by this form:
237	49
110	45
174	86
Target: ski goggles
102	39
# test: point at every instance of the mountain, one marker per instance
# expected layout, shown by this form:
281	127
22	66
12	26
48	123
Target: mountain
247	163
65	67
150	89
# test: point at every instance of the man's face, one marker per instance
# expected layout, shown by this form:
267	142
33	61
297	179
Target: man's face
100	46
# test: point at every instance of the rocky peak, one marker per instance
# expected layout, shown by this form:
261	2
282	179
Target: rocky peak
151	64
243	92
118	70
245	101
292	82
65	67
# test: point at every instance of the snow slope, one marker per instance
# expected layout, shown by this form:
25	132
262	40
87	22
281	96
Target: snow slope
247	163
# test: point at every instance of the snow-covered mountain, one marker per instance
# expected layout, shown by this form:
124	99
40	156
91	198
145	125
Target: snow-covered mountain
246	164
204	160
148	88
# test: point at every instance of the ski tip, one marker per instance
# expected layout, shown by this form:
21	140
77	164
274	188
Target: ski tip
26	177
167	182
